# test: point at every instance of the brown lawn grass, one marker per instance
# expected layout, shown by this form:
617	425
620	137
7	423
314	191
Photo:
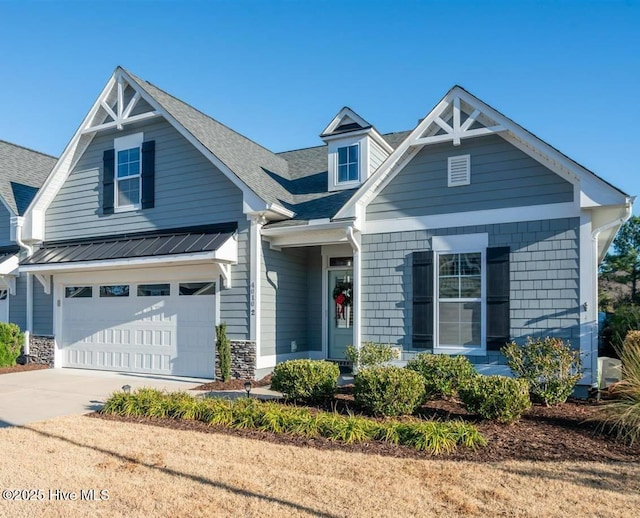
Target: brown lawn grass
150	471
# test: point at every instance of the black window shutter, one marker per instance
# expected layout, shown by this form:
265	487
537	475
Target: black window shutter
148	174
498	282
108	162
423	300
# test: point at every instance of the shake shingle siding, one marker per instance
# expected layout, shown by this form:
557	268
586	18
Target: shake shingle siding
544	270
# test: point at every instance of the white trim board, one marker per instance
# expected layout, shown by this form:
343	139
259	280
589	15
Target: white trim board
473	218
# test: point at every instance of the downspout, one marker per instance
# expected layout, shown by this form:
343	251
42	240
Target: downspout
355	245
594	243
17	222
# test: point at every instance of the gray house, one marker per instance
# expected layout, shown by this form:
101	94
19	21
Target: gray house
22	173
158	222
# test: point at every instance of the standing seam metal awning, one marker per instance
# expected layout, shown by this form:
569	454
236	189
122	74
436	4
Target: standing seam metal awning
170	244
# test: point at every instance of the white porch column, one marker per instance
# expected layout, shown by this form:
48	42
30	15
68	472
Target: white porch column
255	276
354	241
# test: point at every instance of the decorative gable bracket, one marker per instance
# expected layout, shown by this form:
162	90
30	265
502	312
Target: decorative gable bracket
451	123
115	106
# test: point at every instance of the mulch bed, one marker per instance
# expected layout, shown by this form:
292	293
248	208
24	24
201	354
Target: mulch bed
557	433
21	368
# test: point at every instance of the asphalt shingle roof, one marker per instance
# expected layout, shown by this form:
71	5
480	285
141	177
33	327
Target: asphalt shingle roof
251	162
296	179
22	173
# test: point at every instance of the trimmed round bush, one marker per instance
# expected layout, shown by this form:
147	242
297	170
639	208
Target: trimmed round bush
549	365
306	380
443	375
388	390
498	398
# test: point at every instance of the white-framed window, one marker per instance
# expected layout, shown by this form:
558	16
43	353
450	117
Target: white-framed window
128	172
460	300
348	164
459	170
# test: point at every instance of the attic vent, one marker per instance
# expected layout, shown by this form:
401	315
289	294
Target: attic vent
459	170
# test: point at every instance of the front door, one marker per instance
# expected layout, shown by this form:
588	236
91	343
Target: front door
340	312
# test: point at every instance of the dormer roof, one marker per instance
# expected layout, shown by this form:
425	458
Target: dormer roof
345	121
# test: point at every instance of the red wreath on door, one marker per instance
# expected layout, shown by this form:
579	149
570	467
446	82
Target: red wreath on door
342	298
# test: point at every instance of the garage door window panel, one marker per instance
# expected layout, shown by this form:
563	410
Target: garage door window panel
198	288
154	290
118	290
78	292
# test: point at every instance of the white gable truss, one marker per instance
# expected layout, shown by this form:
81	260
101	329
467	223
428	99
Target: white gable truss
113	110
460	115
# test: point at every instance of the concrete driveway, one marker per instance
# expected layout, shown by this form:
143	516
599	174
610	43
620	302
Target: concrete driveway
29	396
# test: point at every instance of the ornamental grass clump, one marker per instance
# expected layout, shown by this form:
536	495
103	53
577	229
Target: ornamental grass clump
309	381
433	437
550	366
443	375
621	415
498	398
388	391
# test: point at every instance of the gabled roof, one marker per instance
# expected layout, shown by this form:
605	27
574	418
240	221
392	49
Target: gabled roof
248	160
346	120
460	115
308	181
22	173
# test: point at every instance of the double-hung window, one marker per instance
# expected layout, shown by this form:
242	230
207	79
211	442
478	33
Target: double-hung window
459	300
348	164
128	172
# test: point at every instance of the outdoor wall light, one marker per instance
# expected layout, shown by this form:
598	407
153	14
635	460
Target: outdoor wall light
126	389
247	388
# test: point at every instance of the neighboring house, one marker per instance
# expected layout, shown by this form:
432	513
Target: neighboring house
22	172
158	222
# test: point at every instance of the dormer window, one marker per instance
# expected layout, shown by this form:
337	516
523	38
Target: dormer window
348	163
354	150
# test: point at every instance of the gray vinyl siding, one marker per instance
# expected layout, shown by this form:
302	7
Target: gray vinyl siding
42	307
189	190
377	155
315	298
544	268
42	310
501	176
234	302
18	303
5	226
284	300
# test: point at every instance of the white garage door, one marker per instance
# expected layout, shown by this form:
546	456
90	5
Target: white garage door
160	327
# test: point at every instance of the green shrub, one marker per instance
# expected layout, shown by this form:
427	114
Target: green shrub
498	398
306	380
244	413
550	366
369	355
443	374
622	415
388	390
224	351
11	340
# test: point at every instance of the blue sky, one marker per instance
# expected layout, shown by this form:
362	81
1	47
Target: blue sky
568	71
